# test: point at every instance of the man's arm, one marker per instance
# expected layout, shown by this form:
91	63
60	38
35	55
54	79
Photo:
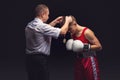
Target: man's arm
56	21
64	28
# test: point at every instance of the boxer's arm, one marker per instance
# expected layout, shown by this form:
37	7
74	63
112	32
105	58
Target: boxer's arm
95	43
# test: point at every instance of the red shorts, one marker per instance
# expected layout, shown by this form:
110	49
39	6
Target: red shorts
86	69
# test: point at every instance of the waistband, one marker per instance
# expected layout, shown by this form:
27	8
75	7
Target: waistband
85	54
37	53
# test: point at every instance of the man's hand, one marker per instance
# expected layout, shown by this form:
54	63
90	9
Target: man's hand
68	19
56	21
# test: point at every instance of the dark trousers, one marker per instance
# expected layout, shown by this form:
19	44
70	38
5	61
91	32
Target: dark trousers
37	67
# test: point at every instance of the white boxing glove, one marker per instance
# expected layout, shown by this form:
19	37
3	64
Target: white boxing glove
77	46
69	44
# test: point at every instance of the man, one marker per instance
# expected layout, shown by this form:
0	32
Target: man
86	63
38	42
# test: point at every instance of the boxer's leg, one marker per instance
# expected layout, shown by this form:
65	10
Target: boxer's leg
92	70
79	71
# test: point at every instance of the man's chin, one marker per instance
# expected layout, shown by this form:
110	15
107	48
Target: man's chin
45	21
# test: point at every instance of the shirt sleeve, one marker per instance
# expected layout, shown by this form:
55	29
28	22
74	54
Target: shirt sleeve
50	31
47	30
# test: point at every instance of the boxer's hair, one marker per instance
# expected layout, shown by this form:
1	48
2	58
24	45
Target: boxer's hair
73	21
41	8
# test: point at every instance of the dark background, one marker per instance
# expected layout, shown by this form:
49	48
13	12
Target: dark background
102	16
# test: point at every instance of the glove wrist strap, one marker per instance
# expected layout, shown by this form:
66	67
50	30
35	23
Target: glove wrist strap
86	47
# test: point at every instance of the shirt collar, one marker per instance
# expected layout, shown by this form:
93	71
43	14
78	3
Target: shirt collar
38	19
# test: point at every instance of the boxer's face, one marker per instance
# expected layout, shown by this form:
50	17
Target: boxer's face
73	27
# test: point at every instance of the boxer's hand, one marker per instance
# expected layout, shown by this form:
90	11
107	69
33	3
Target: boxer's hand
69	44
77	46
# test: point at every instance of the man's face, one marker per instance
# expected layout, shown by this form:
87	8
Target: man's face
46	15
